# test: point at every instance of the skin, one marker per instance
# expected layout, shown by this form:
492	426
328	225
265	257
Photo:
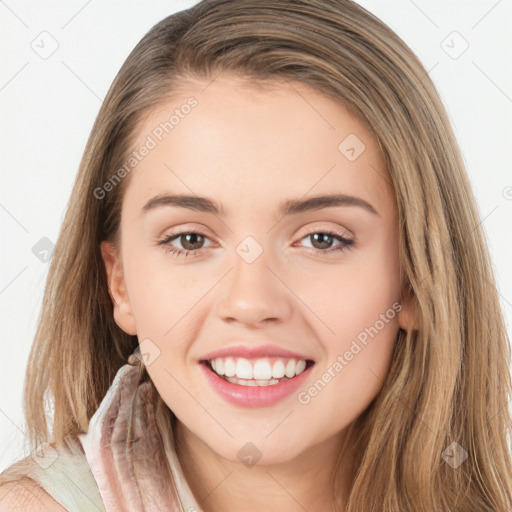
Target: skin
250	148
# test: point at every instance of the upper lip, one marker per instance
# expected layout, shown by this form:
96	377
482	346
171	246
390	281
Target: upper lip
254	352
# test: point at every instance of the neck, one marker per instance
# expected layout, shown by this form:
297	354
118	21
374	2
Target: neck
302	483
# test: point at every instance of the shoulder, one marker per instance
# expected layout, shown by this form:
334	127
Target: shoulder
26	495
57	478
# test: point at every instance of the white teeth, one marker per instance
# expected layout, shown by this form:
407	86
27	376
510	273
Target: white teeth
289	370
252	382
300	367
264	370
244	369
229	367
278	369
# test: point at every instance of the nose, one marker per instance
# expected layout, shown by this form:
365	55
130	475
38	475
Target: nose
254	294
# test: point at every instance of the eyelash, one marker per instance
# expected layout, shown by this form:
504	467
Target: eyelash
346	243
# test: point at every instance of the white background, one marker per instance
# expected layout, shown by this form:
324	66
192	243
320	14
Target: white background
48	107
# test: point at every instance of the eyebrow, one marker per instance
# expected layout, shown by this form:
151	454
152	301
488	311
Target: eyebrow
288	207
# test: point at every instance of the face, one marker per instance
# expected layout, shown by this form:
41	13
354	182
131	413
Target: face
320	279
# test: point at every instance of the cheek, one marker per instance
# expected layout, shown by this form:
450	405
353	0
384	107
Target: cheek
359	326
364	329
356	365
352	298
164	302
160	294
365	308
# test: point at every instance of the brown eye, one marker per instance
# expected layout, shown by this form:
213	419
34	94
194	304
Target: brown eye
191	241
322	240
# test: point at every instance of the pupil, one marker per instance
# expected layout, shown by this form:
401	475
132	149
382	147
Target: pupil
193	243
320	236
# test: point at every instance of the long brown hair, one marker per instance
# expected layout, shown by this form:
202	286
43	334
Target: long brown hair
449	381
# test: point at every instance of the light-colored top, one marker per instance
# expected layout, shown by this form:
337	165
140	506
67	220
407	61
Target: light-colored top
86	474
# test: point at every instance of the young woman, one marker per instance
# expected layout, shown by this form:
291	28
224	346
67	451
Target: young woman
271	290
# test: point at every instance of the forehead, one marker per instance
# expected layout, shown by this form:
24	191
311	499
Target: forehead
256	142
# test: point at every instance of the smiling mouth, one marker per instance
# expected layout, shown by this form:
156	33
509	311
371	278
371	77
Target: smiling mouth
235	379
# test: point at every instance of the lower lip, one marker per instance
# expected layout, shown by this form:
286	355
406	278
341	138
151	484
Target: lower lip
254	396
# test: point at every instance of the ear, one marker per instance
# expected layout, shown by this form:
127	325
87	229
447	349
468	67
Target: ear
123	314
408	317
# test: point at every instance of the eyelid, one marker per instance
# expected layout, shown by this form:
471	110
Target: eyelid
319	228
304	231
181	229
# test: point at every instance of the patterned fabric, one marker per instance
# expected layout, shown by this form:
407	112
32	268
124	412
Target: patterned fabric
127	460
65	475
